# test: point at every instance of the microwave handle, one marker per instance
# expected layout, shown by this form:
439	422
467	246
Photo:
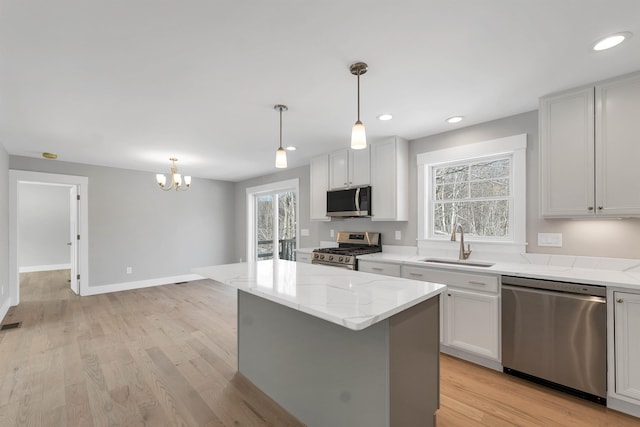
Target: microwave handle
358	200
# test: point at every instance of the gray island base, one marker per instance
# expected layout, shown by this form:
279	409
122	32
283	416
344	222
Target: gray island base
330	376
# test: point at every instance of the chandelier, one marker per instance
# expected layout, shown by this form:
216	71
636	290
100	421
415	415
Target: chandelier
176	179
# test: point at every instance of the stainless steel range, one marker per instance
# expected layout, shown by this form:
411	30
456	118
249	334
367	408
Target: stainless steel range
350	245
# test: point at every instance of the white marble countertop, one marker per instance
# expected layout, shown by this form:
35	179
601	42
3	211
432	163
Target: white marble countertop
613	272
348	298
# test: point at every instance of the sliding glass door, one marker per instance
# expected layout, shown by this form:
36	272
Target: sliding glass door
273	214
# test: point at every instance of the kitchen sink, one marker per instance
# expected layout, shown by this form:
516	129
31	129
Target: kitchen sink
459	262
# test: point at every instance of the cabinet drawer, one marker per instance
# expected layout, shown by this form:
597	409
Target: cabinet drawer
476	282
379	268
300	257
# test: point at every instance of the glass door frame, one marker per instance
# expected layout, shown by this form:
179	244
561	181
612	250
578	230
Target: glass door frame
269	189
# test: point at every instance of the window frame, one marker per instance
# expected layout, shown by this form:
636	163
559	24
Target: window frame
513	147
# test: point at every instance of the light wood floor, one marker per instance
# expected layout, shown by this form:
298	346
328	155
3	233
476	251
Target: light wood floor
166	356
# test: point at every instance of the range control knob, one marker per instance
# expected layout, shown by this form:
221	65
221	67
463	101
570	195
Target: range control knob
341	258
321	256
330	257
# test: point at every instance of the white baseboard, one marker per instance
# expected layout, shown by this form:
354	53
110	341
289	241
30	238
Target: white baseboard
34	268
127	286
4	309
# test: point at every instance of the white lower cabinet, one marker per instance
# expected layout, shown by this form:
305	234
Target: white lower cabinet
379	268
470	323
469	313
627	345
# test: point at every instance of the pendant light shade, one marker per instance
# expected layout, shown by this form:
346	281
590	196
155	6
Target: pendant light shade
281	153
358	134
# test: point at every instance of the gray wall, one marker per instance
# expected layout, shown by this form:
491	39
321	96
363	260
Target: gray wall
134	224
606	238
4	226
43	225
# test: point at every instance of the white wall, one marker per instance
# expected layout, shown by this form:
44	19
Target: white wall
4	231
43	225
134	224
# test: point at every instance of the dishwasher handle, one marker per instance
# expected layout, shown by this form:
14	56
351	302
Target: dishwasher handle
571	295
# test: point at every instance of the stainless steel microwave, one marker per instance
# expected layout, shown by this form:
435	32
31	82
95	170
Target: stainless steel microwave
354	202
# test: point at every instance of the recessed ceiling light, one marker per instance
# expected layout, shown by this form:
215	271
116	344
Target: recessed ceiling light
385	117
611	41
454	119
291	148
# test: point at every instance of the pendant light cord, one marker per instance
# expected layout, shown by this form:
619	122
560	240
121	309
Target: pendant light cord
358	95
281	127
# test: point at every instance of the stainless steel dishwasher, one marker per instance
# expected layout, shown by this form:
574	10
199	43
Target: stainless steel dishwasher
555	333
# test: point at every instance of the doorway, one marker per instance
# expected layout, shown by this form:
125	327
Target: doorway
76	187
47	230
272	221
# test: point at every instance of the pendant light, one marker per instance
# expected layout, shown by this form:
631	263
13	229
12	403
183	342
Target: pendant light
281	154
358	135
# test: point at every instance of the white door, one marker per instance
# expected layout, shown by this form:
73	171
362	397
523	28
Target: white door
73	238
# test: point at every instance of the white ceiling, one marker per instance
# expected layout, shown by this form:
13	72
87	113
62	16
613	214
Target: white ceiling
130	83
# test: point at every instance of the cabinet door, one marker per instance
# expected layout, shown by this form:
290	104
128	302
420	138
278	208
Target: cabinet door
339	169
618	147
567	154
359	167
472	322
389	160
319	184
627	344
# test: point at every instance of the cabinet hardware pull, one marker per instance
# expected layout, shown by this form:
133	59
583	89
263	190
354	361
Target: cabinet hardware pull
471	282
376	268
600	208
619	300
416	274
590	208
449	295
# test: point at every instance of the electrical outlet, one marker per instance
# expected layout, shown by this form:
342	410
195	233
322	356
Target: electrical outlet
550	239
129	270
398	235
304	231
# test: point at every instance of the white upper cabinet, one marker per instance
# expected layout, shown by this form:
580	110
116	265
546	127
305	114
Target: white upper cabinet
349	168
390	180
618	147
589	146
319	184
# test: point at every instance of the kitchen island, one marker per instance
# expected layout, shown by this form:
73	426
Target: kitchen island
336	347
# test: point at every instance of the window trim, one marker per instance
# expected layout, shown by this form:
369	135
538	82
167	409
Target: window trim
513	146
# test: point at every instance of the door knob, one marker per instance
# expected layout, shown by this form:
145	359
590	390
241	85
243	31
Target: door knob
619	300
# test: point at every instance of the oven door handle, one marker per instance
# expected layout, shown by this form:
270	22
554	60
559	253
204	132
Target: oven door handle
358	200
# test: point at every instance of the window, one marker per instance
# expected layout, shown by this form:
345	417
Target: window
475	195
479	186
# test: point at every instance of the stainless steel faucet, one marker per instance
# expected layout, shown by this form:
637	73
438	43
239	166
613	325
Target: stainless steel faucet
463	254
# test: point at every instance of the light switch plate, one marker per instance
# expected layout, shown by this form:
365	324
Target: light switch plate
398	235
550	239
332	233
304	231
